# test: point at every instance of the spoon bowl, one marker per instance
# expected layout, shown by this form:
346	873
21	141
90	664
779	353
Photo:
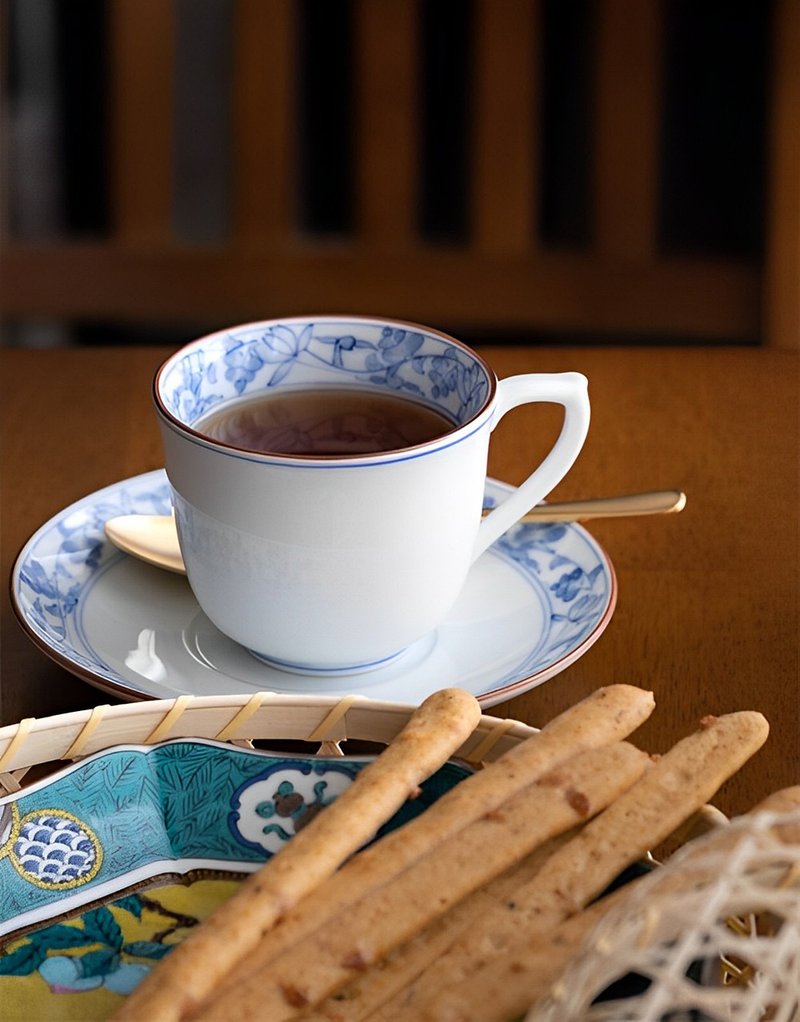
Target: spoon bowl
154	538
151	538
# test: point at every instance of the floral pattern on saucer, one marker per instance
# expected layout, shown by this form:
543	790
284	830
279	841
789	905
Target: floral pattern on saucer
576	594
559	584
70	553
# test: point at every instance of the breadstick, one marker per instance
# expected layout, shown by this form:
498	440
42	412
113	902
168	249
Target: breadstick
363	997
607	715
726	839
433	733
785	800
535	970
469	982
328	958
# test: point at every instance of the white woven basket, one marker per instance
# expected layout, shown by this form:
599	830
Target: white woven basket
715	934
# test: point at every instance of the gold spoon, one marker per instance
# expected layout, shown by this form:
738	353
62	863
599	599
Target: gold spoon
153	538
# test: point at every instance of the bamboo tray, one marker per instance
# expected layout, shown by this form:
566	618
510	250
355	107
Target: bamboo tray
236	719
62	743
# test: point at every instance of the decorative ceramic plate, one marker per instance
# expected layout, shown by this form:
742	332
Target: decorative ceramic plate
107	864
532	604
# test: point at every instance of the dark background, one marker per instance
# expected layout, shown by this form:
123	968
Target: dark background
56	132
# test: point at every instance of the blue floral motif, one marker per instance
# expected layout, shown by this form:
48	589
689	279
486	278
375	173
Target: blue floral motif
62	561
447	375
282	346
62	558
577	592
398	345
394	353
568	585
279	346
243	362
342	346
254	359
188	397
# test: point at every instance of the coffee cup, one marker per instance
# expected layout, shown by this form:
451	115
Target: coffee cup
328	477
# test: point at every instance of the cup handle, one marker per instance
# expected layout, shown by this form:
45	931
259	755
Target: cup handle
567	389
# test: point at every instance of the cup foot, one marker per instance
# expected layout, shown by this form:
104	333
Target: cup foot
329	672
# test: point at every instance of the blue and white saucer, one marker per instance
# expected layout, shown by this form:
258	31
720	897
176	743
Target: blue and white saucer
532	604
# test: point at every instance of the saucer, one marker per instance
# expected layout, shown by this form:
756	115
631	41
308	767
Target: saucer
532	604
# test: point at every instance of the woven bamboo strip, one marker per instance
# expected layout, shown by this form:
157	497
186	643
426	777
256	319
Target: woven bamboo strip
263	715
85	733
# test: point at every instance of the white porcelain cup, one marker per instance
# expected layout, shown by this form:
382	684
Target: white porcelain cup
334	564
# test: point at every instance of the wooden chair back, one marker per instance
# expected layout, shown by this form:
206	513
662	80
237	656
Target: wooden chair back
500	278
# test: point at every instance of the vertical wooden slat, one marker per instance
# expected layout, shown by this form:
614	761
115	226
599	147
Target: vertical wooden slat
4	126
781	314
265	149
142	63
34	138
203	129
628	90
387	139
506	125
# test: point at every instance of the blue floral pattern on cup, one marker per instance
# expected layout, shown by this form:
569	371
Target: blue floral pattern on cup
256	358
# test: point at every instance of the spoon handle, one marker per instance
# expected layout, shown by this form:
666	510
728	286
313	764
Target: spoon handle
656	503
153	538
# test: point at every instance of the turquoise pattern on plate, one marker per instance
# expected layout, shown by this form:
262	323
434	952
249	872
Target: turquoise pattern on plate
126	815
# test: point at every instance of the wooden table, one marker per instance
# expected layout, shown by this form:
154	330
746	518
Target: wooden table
707	614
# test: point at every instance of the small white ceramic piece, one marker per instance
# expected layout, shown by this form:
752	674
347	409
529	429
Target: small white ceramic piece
535	603
336	564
